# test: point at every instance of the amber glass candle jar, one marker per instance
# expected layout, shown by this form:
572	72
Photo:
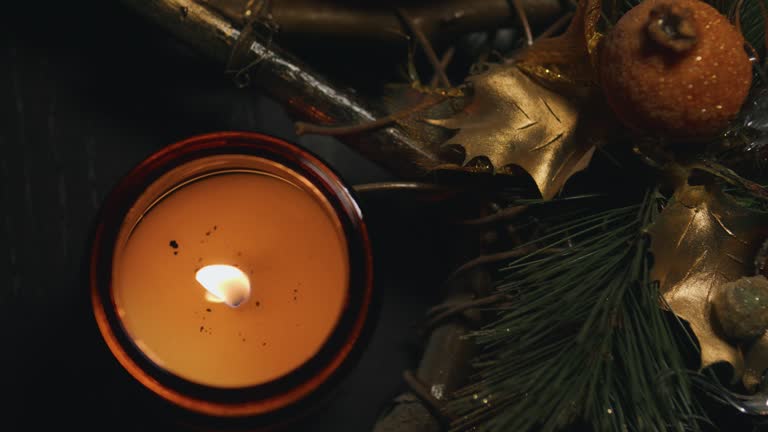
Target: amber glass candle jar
231	276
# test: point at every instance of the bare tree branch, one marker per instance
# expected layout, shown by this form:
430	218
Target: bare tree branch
304	93
378	22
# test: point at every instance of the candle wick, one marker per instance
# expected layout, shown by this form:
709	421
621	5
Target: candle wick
224	284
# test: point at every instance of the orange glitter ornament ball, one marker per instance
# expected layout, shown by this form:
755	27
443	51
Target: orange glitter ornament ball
676	68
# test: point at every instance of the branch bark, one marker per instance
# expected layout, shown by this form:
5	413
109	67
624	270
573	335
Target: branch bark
377	21
304	93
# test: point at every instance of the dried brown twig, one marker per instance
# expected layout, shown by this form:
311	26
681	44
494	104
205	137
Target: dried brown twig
497	257
303	128
444	62
422	39
501	215
304	93
558	25
377	22
440	313
520	9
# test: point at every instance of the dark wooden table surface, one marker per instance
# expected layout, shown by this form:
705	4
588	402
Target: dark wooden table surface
86	92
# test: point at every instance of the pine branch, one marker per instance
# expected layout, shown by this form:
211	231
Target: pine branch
583	338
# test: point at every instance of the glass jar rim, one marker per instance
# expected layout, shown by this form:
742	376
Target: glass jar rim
300	387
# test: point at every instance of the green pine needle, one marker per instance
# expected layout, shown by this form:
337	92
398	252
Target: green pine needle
583	339
746	199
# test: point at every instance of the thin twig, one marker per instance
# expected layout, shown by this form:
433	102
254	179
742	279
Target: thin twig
427	192
753	52
249	4
764	12
444	62
727	174
556	26
303	128
523	21
375	22
447	167
496	257
737	15
262	10
390	186
425	45
433	405
503	214
439	313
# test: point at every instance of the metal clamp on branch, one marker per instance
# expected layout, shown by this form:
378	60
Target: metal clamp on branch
307	95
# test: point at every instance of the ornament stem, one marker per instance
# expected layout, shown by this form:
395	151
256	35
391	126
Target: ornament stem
671	26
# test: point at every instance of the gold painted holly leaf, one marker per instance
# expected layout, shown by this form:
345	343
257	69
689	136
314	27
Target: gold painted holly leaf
568	59
702	240
513	120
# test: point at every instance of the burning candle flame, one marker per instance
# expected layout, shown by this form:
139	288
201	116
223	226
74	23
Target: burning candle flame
224	284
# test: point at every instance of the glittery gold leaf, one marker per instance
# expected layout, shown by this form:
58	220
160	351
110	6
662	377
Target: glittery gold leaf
569	58
513	120
702	240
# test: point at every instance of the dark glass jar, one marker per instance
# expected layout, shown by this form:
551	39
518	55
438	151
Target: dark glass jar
266	405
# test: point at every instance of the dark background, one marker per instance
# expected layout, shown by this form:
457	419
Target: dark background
86	92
